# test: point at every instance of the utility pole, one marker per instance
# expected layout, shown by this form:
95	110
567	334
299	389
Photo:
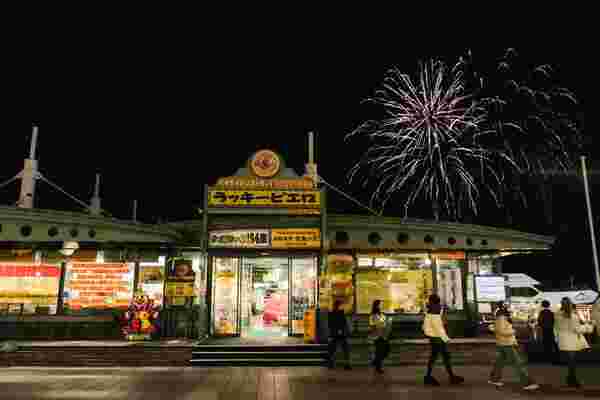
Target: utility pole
591	221
29	174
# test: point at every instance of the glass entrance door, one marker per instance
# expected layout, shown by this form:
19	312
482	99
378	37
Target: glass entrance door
303	291
225	302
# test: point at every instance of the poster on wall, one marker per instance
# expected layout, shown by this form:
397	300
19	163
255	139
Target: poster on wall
490	288
33	286
180	281
151	282
98	285
450	288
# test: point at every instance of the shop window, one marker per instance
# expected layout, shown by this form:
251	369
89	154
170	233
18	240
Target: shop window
97	288
342	237
402	238
92	233
74	232
428	239
374	238
450	282
402	281
26	230
523	292
27	288
53	231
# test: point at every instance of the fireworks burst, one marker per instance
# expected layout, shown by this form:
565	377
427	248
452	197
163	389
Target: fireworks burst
533	118
455	132
428	141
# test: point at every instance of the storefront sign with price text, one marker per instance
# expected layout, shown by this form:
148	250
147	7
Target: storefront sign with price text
264	198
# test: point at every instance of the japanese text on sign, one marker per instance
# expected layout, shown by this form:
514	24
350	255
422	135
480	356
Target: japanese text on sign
264	198
295	238
242	238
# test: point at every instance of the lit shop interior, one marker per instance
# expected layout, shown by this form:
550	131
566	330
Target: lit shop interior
92	283
262	296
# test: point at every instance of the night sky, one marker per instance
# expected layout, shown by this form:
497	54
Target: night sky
159	114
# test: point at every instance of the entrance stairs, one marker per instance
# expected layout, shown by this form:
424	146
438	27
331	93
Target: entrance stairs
281	355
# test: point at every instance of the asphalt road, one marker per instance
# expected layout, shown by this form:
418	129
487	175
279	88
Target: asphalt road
278	384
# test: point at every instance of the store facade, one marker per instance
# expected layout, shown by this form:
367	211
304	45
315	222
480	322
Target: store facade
264	253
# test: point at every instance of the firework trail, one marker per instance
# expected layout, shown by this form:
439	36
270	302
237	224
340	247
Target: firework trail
453	133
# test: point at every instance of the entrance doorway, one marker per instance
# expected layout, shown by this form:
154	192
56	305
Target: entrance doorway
262	297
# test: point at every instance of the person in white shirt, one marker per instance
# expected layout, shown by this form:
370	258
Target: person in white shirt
569	331
433	327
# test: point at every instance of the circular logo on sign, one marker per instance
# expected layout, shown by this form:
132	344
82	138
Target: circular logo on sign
265	164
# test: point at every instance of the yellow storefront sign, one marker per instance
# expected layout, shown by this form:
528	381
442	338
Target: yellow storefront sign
295	238
264	198
177	289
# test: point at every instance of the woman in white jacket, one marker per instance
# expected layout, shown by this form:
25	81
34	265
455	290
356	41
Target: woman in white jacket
433	327
568	330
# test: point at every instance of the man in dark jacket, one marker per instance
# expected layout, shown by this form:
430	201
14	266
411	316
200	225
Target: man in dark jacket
338	333
546	324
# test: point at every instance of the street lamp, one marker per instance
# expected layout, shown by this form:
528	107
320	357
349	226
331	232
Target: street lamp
69	248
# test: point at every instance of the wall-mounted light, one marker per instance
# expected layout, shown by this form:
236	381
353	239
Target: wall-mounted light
69	248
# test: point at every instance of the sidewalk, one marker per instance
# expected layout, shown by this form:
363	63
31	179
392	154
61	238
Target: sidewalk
278	384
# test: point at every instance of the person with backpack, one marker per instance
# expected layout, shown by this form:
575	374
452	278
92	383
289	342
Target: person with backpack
433	327
377	334
338	333
507	350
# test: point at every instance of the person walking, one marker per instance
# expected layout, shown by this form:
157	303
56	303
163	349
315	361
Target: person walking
546	324
507	350
338	333
433	328
569	331
377	334
595	316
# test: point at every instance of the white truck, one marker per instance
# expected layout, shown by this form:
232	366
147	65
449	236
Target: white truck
525	296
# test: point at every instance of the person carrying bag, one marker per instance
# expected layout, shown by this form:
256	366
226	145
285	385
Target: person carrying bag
569	331
507	350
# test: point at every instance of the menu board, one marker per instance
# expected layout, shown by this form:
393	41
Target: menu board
490	288
28	284
98	285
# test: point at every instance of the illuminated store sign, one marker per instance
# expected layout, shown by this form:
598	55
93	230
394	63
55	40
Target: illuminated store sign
90	285
251	238
264	198
296	238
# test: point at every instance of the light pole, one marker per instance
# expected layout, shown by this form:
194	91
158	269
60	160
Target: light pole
591	221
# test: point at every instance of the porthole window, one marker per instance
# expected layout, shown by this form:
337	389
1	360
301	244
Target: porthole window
451	241
374	238
428	239
53	231
484	242
342	237
74	232
469	242
26	230
92	233
402	238
0	228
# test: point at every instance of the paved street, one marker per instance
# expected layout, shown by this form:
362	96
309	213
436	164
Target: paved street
274	384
